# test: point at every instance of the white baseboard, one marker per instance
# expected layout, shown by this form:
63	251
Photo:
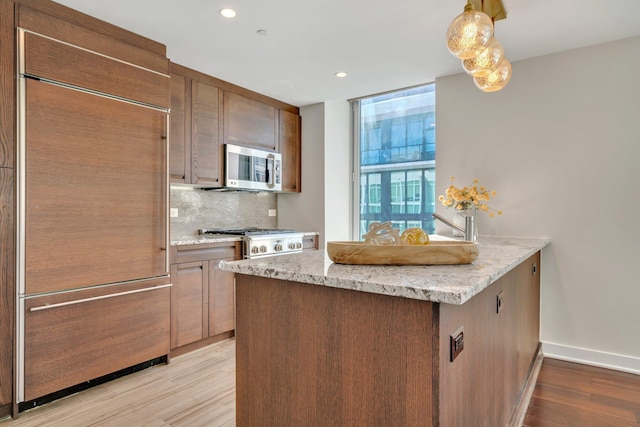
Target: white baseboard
592	357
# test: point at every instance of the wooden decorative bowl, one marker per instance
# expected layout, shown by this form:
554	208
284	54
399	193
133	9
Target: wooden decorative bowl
435	253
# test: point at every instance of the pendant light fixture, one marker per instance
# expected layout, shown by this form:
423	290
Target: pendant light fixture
470	33
486	62
496	80
470	37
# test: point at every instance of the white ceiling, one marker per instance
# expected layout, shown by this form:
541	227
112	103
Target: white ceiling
382	45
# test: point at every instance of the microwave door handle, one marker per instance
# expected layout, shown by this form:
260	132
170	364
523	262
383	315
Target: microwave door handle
252	170
269	171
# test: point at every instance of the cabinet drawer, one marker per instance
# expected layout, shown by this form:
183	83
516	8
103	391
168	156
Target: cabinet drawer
69	64
77	336
205	252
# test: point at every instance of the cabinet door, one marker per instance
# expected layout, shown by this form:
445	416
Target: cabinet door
221	299
205	138
96	191
290	148
189	304
180	137
249	122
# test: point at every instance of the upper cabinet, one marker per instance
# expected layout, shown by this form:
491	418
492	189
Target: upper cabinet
207	113
250	122
205	139
290	148
180	140
196	111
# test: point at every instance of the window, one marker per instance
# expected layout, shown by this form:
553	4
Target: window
395	146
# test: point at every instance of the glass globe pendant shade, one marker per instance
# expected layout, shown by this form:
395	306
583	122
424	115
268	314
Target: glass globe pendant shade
470	33
486	62
496	80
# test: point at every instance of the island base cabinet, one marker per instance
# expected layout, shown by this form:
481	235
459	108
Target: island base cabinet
484	383
320	356
79	336
317	356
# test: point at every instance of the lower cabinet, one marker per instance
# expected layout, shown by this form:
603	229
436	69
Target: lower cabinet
202	298
221	299
78	336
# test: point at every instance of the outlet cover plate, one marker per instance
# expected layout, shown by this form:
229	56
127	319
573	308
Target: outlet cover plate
457	343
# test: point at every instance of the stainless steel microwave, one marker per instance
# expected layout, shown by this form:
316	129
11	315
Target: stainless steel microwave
251	169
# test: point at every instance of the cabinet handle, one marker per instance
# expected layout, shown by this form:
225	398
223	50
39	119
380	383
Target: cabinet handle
80	301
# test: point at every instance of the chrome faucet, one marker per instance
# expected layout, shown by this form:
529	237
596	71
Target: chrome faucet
469	230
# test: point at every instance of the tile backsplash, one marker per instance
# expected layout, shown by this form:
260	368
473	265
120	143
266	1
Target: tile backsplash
199	208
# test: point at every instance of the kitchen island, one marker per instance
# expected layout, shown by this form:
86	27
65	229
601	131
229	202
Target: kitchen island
326	344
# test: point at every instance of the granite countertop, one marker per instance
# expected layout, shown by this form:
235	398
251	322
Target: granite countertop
451	284
202	239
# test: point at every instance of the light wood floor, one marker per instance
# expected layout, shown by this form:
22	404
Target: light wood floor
198	389
195	389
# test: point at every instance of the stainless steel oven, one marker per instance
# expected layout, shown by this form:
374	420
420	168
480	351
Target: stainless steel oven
263	242
251	169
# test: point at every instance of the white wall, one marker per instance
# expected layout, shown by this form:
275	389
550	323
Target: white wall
305	211
561	145
324	204
337	176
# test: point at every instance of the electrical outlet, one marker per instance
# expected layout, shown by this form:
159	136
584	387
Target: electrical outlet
173	212
499	301
273	212
457	343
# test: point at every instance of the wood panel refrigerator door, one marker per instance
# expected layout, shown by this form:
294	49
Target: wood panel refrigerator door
95	190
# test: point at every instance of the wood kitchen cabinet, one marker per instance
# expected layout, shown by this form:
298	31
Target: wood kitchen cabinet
94	295
485	381
250	122
102	330
202	298
375	359
221	299
291	150
7	206
207	112
189	317
196	109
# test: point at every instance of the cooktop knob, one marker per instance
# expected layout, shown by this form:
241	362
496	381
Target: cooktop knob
255	250
263	249
298	245
278	247
292	245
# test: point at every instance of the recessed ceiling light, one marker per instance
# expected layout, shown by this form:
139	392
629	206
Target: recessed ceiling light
228	13
341	74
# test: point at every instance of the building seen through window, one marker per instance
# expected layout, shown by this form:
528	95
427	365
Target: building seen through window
397	151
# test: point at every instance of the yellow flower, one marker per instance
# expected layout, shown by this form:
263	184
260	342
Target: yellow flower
468	197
